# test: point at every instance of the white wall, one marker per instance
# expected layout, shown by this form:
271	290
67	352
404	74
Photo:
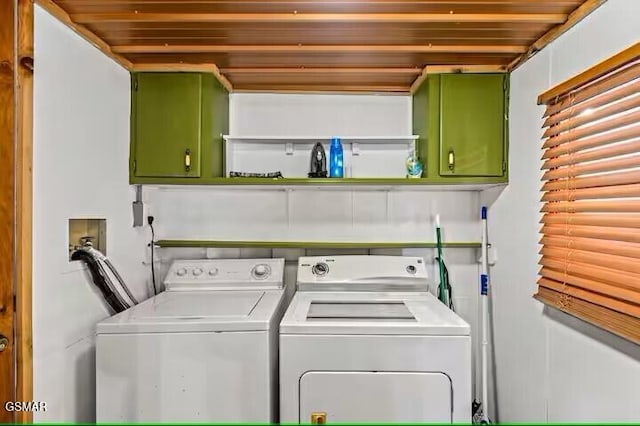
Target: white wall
81	145
550	366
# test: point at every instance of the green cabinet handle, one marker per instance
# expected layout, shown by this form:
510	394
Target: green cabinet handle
187	160
452	160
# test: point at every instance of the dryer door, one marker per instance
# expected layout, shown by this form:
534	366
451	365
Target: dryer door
366	396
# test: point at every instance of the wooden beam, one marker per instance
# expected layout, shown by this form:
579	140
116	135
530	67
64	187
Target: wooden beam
454	69
324	70
178	67
24	205
317	48
349	18
628	55
574	17
82	31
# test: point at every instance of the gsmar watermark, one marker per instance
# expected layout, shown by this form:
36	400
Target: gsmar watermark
25	406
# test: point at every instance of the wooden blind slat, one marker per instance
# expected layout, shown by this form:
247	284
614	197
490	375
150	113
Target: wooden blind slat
631	235
620	220
570	255
607	97
616	78
623	325
618	191
591	285
600	127
585	119
621	135
591	168
593	297
592	155
622	178
619	248
607	275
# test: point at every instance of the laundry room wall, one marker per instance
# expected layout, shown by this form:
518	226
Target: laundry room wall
321	214
81	149
550	366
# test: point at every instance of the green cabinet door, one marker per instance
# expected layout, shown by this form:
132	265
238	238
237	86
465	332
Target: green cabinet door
472	124
166	124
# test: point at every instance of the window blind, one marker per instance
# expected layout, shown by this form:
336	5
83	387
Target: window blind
590	256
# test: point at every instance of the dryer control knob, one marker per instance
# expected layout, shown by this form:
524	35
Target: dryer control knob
260	271
181	272
197	272
320	269
213	271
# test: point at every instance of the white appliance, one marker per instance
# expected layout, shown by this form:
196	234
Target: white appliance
364	341
205	350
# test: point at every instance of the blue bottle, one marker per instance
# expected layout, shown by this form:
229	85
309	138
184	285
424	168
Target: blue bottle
336	169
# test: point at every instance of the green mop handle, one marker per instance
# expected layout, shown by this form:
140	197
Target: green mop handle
443	292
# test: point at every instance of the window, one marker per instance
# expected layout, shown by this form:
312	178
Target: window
590	264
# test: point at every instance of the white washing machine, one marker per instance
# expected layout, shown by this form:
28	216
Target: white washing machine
205	350
364	341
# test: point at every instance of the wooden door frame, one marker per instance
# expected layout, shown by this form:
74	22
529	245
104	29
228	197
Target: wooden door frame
16	192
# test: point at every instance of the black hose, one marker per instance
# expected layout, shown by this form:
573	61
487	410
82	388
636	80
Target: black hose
100	281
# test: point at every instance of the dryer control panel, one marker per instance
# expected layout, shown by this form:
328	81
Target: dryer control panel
362	273
225	274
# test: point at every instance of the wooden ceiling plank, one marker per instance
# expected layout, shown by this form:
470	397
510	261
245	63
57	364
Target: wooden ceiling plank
576	16
82	31
290	70
543	18
181	67
317	48
322	88
369	6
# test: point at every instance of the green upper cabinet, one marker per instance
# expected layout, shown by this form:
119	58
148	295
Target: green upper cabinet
177	122
462	123
472	124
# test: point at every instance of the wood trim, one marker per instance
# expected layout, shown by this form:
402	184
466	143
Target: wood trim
327	70
82	31
542	18
7	207
454	69
221	48
629	54
173	67
576	16
24	205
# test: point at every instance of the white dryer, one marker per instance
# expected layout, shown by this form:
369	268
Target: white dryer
205	350
364	341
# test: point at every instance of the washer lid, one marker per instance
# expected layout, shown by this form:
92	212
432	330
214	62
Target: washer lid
193	311
403	313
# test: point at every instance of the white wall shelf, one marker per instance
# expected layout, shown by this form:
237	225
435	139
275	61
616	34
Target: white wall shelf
364	156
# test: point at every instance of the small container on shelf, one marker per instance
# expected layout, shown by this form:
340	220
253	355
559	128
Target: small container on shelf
414	166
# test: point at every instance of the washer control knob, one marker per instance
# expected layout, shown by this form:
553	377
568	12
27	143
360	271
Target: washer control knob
320	269
213	271
181	272
261	271
197	272
411	269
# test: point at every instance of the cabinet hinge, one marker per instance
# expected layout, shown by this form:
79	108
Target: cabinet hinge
134	165
135	83
504	166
